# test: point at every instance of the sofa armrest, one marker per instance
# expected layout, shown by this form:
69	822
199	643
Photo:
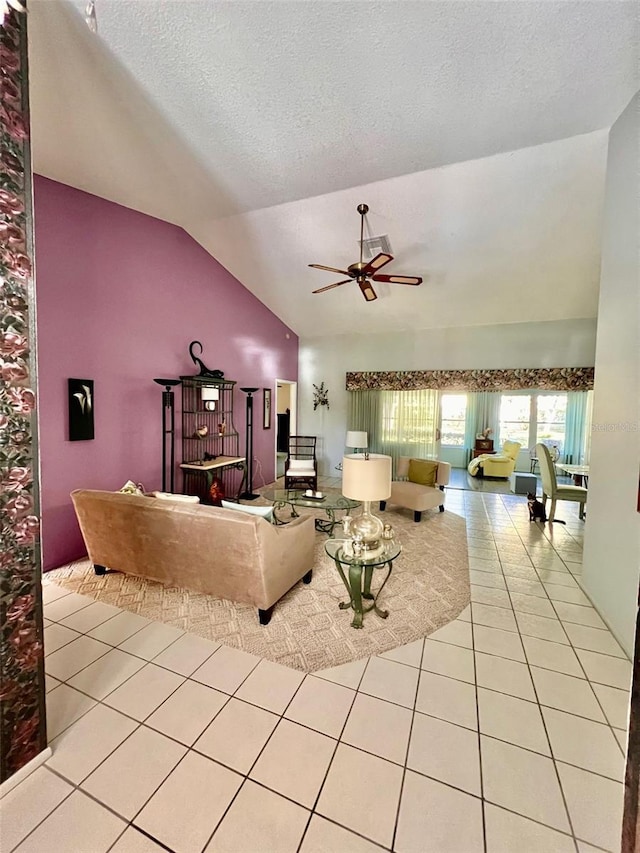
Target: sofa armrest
287	553
444	474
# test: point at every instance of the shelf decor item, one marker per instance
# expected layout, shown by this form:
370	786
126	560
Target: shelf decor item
210	397
204	370
168	429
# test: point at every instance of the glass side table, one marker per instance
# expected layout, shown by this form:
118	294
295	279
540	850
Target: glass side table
330	503
357	573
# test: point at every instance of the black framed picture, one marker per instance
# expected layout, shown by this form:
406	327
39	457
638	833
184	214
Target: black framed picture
266	408
81	409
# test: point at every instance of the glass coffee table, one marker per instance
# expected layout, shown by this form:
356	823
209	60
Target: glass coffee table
352	569
330	503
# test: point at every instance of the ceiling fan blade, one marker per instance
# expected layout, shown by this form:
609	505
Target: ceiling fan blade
331	286
330	269
367	289
398	279
376	263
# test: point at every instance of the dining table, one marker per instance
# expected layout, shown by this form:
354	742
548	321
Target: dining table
580	473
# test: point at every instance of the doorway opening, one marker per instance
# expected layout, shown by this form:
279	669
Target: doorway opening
286	411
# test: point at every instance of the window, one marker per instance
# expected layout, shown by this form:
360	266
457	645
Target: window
453	413
515	417
409	420
533	418
550	420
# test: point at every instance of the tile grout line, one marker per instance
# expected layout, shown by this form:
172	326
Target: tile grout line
406	757
479	739
313	808
546	731
580	664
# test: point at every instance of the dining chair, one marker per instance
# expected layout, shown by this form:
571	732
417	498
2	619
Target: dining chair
301	468
550	487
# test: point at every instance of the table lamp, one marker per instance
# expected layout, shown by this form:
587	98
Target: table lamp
367	478
210	397
357	440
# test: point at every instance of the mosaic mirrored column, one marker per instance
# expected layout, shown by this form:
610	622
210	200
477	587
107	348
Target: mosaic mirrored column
22	717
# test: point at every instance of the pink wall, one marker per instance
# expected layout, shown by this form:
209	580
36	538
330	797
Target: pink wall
120	295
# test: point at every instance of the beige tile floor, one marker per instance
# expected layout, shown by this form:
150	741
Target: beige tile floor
503	731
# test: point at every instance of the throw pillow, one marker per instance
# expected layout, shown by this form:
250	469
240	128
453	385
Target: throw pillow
130	488
262	511
423	471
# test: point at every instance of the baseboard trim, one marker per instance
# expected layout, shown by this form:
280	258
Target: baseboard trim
20	775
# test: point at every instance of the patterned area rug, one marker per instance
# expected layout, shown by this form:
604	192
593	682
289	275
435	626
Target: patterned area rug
428	587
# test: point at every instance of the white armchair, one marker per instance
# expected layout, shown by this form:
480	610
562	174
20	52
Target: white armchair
417	496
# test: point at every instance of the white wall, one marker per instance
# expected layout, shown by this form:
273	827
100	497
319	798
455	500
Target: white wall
612	537
561	343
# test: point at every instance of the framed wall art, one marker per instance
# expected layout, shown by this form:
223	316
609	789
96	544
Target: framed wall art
81	409
266	408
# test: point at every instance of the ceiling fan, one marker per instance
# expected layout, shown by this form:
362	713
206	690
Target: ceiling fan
363	273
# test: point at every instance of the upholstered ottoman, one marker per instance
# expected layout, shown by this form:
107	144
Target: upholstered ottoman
523	484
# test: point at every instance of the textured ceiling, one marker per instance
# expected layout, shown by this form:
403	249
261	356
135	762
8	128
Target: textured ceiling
248	122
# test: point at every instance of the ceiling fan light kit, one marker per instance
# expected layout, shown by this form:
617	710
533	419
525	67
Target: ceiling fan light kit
365	273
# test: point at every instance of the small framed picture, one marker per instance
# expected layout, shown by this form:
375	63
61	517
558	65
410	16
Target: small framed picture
81	409
266	408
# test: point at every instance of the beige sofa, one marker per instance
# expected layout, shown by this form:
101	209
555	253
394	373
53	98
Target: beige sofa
220	552
414	495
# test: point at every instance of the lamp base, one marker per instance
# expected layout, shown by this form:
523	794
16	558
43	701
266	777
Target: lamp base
248	496
367	529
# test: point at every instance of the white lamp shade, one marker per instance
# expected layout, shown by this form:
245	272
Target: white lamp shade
357	439
366	479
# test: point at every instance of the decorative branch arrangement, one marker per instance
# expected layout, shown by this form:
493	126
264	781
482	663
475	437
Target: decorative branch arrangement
320	396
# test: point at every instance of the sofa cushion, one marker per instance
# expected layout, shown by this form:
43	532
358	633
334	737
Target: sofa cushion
423	471
300	466
415	496
170	496
262	511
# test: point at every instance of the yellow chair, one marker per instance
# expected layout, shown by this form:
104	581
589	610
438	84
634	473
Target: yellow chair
500	464
550	487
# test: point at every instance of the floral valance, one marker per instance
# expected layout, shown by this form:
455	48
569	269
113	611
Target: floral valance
538	378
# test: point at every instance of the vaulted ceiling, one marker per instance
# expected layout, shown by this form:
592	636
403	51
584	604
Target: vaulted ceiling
476	132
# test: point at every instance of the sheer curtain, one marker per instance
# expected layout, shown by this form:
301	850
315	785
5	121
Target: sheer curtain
574	429
399	423
483	411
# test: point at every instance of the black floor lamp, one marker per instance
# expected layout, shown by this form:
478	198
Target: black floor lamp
168	425
249	495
